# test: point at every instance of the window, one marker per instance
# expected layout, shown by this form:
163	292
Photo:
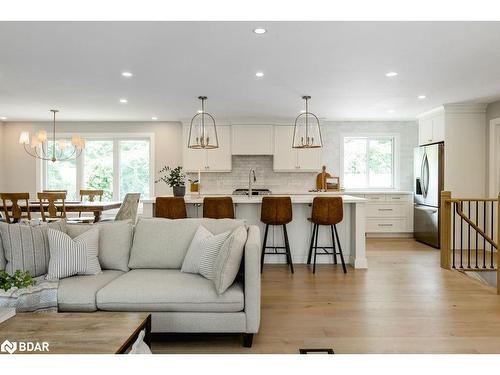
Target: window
115	164
369	162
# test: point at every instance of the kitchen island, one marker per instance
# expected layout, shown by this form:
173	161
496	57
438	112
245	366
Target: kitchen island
351	230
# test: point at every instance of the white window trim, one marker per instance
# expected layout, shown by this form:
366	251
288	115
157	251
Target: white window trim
396	179
41	174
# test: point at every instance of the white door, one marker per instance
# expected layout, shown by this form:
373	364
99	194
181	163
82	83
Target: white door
219	159
309	159
285	157
424	131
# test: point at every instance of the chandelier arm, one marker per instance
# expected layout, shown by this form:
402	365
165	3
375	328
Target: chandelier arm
70	156
35	154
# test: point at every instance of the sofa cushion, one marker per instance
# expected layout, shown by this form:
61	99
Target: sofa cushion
26	246
2	255
163	243
78	293
167	290
115	241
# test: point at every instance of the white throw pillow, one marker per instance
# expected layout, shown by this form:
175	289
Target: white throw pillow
76	256
203	251
228	261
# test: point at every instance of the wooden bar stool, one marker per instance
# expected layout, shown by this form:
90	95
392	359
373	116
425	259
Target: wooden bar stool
170	208
276	211
218	208
326	211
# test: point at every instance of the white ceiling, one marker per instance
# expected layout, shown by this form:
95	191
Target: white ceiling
76	67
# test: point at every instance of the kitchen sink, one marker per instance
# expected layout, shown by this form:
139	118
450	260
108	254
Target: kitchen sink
254	192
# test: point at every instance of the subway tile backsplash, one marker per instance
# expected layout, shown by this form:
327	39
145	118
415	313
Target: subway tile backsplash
295	182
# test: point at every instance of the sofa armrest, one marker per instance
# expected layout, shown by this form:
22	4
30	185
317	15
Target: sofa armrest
252	279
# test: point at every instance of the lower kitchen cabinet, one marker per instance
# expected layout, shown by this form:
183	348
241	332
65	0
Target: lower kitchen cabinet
388	213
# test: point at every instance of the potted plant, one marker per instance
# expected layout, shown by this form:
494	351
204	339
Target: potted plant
175	178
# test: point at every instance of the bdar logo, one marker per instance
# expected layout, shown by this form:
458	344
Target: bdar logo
9	347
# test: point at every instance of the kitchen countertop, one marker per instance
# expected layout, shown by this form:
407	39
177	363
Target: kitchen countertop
296	198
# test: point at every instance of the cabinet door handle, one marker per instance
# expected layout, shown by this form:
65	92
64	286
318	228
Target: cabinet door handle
386	209
396	198
385	225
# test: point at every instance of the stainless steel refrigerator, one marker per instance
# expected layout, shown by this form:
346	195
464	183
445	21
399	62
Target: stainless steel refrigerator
428	184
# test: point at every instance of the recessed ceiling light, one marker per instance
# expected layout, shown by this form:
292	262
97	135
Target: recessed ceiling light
391	74
421	97
259	30
391	111
303	111
200	111
154	118
3	118
123	100
127	74
259	74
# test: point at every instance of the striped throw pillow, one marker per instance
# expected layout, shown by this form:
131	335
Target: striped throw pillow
203	251
77	256
26	246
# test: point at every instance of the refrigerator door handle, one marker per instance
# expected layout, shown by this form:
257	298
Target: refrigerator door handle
424	174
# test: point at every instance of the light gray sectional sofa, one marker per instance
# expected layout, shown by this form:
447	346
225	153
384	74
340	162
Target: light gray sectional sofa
141	272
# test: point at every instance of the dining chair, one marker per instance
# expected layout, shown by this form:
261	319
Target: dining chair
129	207
52	205
88	195
16	213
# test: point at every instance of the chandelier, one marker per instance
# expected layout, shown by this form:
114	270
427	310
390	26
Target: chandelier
306	131
203	131
41	148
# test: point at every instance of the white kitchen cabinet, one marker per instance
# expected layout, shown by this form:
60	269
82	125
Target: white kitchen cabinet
288	159
215	160
252	139
431	129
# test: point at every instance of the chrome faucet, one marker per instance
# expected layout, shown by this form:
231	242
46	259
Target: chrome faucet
252	172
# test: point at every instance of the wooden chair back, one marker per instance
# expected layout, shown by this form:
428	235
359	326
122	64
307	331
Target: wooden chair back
91	194
16	212
52	205
170	208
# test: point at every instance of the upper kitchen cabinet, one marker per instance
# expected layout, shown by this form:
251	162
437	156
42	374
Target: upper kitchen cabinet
431	127
288	159
216	160
252	139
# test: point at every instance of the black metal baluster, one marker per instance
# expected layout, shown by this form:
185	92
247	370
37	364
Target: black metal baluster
468	236
484	230
477	223
491	236
454	233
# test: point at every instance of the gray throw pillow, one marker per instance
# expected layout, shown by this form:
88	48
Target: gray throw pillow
115	242
203	251
228	261
26	246
70	256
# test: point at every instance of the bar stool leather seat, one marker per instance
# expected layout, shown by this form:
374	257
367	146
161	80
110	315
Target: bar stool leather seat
218	208
170	208
326	211
276	211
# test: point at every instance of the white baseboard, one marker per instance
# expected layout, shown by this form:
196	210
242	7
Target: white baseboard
389	235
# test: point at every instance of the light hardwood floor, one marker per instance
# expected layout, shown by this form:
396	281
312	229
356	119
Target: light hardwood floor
404	303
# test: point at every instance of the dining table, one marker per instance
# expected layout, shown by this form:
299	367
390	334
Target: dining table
97	208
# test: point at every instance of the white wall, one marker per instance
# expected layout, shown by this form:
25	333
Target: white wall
2	148
21	168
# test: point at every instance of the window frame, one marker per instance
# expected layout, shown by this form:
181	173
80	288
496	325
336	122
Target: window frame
41	166
396	156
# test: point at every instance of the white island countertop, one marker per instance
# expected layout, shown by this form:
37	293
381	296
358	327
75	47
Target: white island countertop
257	199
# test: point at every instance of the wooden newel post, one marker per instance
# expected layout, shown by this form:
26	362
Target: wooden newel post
445	229
498	244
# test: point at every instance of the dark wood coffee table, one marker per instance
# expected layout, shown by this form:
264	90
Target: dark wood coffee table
74	333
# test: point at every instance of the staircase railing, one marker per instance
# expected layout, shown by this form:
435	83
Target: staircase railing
469	230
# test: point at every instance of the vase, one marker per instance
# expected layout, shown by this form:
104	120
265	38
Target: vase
179	191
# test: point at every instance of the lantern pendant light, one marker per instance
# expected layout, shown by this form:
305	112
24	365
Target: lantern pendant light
306	131
203	131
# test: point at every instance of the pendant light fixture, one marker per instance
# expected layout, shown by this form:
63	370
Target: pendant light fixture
307	132
40	147
203	131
